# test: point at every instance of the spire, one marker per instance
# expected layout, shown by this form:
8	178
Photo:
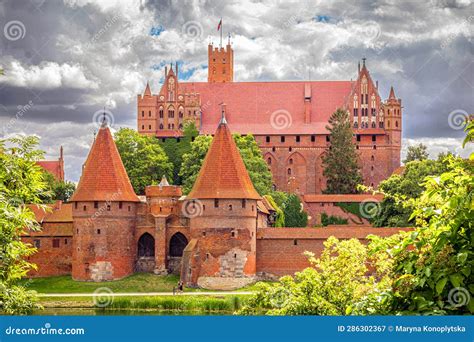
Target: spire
223	173
363	62
147	89
164	181
358	67
61	152
223	120
392	94
103	176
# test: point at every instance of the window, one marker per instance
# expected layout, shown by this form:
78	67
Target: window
232	234
161	112
313	138
290	149
108	207
267	139
161	126
129	208
96	205
120	205
356	112
244	203
356	124
55	243
358	137
230	207
203	233
143	113
374	138
375	147
269	161
75	205
373	124
371	168
216	203
290	161
297	138
98	231
396	124
149	126
295	242
84	208
282	139
207	256
37	243
327	138
65	241
273	149
149	113
289	171
143	126
381	124
372	158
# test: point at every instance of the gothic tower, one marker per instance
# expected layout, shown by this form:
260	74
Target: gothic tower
223	236
104	215
220	64
393	126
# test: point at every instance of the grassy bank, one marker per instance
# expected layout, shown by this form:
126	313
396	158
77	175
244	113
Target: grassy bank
139	282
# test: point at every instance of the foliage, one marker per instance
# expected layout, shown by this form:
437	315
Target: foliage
395	209
257	168
340	162
60	190
416	152
295	216
353	208
280	215
21	183
327	220
175	148
143	157
336	284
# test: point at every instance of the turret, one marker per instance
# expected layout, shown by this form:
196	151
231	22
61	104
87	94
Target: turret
104	215
220	64
224	233
393	126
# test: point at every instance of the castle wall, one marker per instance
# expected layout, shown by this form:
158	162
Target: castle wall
280	251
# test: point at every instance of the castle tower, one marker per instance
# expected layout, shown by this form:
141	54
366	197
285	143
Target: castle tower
220	64
223	245
393	126
104	215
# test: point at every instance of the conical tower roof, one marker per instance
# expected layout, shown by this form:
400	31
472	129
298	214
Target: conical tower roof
223	173
392	94
147	90
104	177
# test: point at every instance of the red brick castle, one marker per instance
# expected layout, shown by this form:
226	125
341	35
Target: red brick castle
288	119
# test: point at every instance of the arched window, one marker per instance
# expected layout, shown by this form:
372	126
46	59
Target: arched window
289	171
161	112
177	244
373	124
356	124
396	124
269	161
170	112
372	158
388	124
161	126
146	246
290	161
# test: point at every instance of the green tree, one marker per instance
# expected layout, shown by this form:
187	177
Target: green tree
340	162
280	215
395	209
416	152
60	190
337	283
175	148
21	183
257	168
143	157
295	216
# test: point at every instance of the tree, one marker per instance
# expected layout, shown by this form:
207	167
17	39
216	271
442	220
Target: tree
257	168
280	215
175	148
60	190
340	162
395	209
295	216
416	152
22	183
143	157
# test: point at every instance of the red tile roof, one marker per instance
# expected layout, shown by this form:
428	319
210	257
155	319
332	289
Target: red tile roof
55	167
104	177
223	173
250	105
341	198
58	212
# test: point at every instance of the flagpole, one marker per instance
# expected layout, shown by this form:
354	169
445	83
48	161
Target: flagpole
222	24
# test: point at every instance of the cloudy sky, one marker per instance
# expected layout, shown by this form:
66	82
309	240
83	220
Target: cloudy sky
65	60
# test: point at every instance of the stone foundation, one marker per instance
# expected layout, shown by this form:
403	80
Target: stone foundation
224	283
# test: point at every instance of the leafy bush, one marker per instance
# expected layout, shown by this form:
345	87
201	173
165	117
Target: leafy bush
327	220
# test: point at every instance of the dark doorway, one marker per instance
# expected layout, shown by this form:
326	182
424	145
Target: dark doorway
146	246
177	244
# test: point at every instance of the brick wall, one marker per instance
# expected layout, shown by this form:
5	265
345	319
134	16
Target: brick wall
280	250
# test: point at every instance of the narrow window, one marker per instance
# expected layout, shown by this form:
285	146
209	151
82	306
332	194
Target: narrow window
108	207
37	243
374	138
149	113
358	137
289	171
55	243
143	126
267	139
244	203
120	205
203	233
295	242
232	234
149	126
313	138
65	241
291	161
96	205
230	206
207	256
129	208
282	139
297	138
143	113
372	158
84	208
216	203
269	161
98	231
273	149
75	205
327	138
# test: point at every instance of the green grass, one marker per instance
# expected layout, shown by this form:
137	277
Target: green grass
140	282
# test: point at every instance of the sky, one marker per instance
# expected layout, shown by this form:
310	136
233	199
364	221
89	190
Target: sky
64	61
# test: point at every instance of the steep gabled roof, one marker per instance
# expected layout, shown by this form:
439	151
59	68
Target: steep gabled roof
104	177
223	173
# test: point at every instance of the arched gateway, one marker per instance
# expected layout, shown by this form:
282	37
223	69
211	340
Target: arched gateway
177	244
146	253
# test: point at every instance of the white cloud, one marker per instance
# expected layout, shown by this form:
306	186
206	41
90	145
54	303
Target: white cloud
436	146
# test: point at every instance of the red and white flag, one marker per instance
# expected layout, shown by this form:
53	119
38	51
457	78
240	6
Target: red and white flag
220	25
